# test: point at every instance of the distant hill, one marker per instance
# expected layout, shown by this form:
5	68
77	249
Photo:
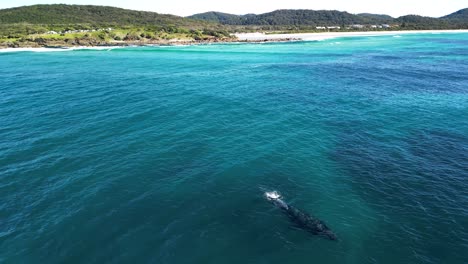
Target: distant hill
88	14
52	17
421	22
71	25
305	17
285	18
219	17
460	17
377	18
313	18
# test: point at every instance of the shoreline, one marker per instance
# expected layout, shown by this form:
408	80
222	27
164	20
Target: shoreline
329	35
122	44
240	38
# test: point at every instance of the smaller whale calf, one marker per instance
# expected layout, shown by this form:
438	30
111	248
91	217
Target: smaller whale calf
301	219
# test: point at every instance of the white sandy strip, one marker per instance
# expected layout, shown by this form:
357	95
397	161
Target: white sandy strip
56	49
329	35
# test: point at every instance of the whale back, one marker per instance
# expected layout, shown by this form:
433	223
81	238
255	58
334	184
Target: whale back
302	219
310	223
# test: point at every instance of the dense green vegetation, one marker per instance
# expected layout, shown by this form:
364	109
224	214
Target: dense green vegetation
94	15
420	22
219	17
305	17
310	18
41	25
98	25
377	19
461	15
285	18
459	18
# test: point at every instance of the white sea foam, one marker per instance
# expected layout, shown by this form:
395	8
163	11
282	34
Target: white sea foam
274	195
32	50
330	35
96	48
56	49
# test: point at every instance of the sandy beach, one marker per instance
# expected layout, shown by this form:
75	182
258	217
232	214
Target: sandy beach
328	35
245	38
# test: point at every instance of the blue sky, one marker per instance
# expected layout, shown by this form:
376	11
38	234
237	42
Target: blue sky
395	8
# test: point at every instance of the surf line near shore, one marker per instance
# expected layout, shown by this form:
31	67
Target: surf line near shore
58	49
258	36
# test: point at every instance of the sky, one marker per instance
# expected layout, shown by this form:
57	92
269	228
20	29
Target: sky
395	8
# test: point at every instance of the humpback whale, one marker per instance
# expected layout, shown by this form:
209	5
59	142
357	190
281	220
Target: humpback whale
301	219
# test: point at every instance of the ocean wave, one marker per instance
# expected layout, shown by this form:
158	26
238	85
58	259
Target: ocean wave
56	49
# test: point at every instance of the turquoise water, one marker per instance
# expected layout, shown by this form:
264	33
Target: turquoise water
160	154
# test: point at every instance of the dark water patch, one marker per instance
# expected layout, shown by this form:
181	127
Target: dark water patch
388	57
417	184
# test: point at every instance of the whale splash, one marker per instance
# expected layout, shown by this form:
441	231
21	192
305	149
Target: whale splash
301	219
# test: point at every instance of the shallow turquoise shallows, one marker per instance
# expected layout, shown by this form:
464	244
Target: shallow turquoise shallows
162	154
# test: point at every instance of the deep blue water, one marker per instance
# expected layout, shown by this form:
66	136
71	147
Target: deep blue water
160	154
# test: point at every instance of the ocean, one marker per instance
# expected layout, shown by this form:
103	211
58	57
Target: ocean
163	154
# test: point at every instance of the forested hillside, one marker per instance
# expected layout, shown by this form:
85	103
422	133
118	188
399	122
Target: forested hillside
61	24
459	18
88	14
87	24
313	18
